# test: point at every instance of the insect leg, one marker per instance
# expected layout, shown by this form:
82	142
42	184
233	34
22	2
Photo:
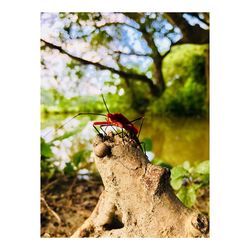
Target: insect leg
96	129
106	125
115	130
139	118
123	137
104	131
142	119
101	124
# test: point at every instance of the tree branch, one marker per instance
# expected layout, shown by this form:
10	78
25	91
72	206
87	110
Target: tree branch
98	65
156	56
123	74
122	24
115	24
191	34
129	53
142	28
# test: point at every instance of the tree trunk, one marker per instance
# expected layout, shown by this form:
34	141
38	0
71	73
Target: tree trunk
138	200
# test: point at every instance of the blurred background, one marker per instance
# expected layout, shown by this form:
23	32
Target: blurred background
150	64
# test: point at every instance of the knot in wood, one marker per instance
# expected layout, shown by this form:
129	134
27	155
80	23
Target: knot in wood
201	223
101	150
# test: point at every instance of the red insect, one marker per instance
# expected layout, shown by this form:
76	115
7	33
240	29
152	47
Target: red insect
116	120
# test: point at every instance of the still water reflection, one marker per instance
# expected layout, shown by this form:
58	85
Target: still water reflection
178	140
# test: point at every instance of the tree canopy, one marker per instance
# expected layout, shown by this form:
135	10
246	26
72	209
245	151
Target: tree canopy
115	48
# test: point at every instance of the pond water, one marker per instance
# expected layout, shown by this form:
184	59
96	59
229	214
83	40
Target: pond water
174	140
177	140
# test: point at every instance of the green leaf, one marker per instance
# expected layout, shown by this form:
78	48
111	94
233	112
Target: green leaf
202	168
204	179
79	74
197	186
46	149
165	165
187	195
84	16
51	173
176	183
65	135
69	169
159	162
78	157
71	65
147	144
186	165
101	37
178	172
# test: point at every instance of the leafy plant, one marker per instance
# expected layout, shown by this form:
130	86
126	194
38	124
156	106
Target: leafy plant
161	163
77	155
187	179
147	144
69	169
46	151
47	168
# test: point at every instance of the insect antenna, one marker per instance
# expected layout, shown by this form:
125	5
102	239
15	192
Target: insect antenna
105	103
82	113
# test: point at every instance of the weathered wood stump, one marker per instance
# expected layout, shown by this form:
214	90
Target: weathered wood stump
138	200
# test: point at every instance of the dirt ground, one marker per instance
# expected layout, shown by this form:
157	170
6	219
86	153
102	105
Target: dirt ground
67	202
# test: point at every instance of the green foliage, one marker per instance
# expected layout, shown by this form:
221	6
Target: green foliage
185	61
46	149
184	74
178	174
117	103
71	65
161	163
202	171
187	195
188	100
69	169
65	135
80	156
79	74
140	96
78	159
147	144
187	179
54	102
47	168
125	43
100	37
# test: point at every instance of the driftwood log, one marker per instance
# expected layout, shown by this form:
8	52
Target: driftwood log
138	200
